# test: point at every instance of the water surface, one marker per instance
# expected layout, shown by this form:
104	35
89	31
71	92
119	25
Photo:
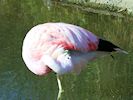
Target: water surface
104	79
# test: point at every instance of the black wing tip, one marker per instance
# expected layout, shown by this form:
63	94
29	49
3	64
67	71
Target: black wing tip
106	46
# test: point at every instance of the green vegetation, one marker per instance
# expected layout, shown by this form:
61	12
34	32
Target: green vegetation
98	6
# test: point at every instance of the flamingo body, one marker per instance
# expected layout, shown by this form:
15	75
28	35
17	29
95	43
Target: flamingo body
61	48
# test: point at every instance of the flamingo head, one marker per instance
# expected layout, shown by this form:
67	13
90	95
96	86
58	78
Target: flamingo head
60	65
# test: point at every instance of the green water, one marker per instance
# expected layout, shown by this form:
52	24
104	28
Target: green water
103	79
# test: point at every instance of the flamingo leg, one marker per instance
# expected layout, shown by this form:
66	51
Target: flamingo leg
60	87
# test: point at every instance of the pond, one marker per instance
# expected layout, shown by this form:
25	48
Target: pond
103	79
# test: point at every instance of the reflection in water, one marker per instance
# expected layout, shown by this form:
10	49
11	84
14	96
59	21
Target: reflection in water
104	79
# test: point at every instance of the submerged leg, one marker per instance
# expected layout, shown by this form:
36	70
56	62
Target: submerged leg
60	87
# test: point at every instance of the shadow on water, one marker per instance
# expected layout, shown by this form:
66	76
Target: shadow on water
104	79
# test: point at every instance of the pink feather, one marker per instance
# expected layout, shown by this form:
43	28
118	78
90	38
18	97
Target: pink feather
53	39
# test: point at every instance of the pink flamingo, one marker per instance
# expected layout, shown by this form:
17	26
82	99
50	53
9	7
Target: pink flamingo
62	48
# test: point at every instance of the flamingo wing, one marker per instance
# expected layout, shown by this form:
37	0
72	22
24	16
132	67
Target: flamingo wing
77	38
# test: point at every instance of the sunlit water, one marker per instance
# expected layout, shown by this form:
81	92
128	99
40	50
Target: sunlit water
104	79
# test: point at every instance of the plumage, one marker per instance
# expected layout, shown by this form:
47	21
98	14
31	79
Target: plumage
61	48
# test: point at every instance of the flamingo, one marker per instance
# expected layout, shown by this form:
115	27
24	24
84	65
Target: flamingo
62	48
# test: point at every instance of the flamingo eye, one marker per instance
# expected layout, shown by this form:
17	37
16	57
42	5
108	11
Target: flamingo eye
68	57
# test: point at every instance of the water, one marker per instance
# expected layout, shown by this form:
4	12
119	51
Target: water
104	79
